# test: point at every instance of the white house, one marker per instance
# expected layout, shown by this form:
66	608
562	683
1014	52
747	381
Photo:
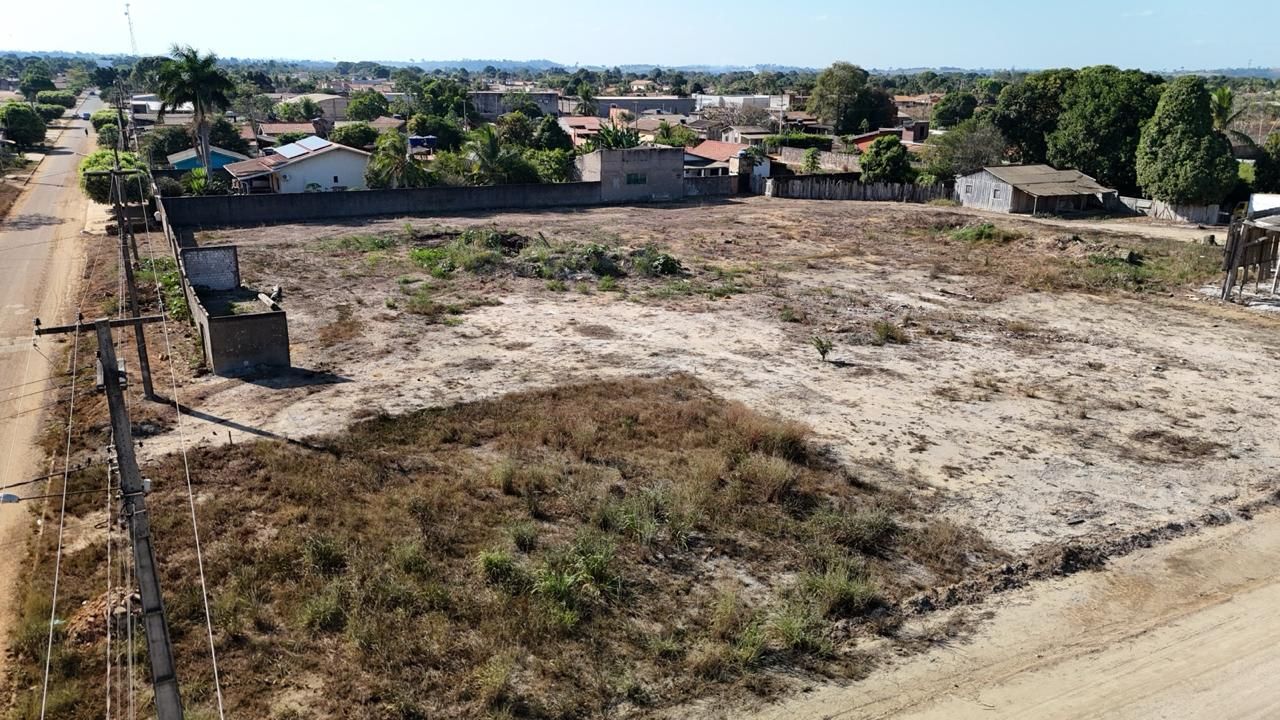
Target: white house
312	164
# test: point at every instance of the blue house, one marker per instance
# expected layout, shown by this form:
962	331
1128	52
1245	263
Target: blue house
189	160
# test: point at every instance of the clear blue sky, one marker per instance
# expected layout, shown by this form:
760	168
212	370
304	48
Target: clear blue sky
1163	34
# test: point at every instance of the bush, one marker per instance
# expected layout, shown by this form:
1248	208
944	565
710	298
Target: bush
98	187
108	136
324	555
325	612
102	117
358	135
49	113
168	187
842	589
56	97
887	332
866	531
22	124
802	141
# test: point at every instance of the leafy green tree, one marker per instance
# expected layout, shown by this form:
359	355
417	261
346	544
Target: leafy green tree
449	136
108	136
1266	170
56	97
358	135
297	110
965	148
98	187
675	135
367	105
516	128
190	77
521	102
35	78
954	108
550	136
103	117
1102	116
1181	157
1222	103
886	161
988	89
553	166
1027	112
201	182
493	164
49	113
22	124
224	134
812	163
587	104
159	143
392	167
614	137
285	138
842	97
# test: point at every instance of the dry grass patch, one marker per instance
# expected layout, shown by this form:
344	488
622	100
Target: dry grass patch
569	552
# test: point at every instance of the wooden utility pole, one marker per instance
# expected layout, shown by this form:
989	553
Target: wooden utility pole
133	508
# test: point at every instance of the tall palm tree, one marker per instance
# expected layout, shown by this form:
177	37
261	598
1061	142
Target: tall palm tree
189	77
485	152
391	166
586	101
1222	107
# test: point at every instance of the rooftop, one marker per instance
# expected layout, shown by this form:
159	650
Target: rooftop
1045	181
304	149
717	150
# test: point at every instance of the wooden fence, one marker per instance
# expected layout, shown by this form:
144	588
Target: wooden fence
1198	214
822	187
1250	246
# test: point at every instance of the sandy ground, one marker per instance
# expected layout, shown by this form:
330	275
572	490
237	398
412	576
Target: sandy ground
1186	630
40	259
1045	418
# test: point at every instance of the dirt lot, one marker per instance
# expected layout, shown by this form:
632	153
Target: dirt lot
1036	412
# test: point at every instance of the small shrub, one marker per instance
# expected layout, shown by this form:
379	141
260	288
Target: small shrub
865	531
983	233
884	332
524	535
799	629
652	262
324	555
794	315
325	612
823	345
500	569
557	285
771	477
608	283
842	589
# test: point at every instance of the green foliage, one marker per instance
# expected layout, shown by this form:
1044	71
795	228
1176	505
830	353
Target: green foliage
516	129
842	97
675	135
965	148
108	136
812	163
223	134
614	137
49	113
168	187
884	332
886	160
161	142
799	140
1182	158
520	101
367	105
1027	111
954	108
102	117
550	136
841	588
35	79
297	110
98	188
652	262
864	531
823	345
359	135
285	138
201	182
488	161
1266	171
1103	112
391	167
448	134
56	97
22	124
983	233
552	166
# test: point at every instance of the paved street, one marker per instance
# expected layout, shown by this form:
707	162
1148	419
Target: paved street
41	253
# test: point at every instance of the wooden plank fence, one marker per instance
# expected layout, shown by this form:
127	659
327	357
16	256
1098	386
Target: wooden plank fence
821	187
1250	247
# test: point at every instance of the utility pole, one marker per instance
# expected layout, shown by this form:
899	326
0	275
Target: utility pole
164	679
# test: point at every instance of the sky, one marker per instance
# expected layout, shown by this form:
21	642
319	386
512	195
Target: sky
1027	34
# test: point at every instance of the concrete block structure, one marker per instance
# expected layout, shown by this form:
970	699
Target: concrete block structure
639	174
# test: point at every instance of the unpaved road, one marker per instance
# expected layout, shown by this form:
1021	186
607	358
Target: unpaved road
1186	630
40	256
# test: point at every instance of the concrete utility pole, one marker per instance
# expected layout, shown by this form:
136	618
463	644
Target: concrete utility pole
134	511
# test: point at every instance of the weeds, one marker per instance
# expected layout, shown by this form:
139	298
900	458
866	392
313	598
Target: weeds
823	345
883	332
984	233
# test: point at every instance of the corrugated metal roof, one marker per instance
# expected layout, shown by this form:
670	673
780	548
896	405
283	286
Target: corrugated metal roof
1045	181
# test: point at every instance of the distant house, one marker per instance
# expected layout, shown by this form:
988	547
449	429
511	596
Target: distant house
218	157
713	157
644	173
1031	189
581	128
637	105
912	136
334	107
492	103
745	134
309	165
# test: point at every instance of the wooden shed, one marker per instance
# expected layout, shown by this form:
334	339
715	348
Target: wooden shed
1031	189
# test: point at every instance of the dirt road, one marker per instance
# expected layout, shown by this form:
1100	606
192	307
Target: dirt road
1186	630
40	256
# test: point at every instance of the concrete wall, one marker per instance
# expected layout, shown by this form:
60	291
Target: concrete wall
239	343
215	268
709	186
838	162
345	165
489	103
638	174
248	210
635	105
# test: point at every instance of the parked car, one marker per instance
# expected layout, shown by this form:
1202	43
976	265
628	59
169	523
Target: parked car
85	116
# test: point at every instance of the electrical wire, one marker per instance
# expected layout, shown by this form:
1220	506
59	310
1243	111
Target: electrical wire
62	517
186	467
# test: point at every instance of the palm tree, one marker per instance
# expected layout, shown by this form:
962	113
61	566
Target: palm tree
614	137
586	102
391	166
189	77
1221	103
484	150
